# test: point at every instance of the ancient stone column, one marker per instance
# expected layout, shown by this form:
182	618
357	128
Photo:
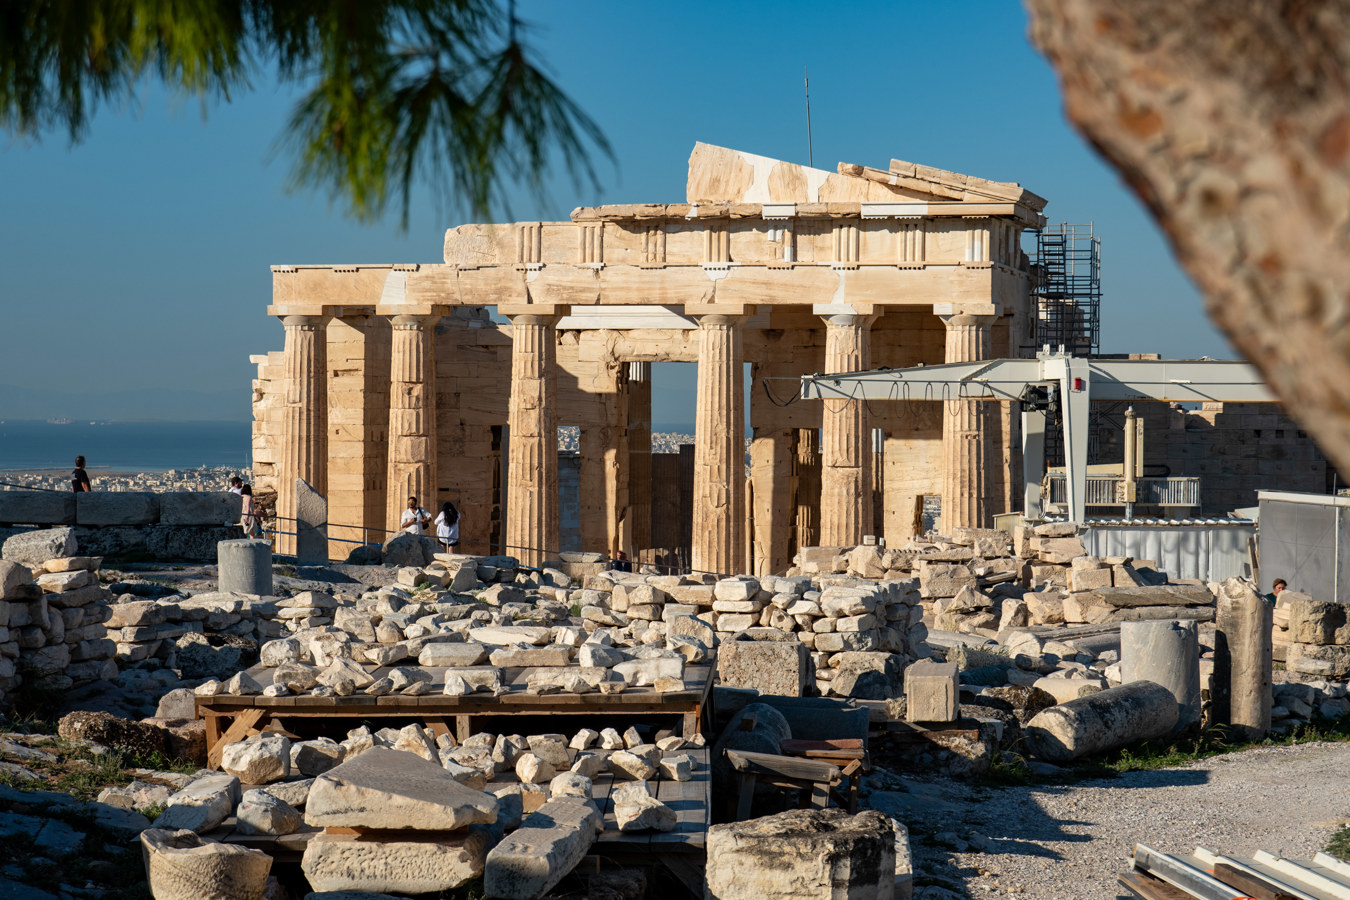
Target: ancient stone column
964	455
639	459
304	434
412	417
1243	693
718	539
1165	652
532	460
846	445
806	467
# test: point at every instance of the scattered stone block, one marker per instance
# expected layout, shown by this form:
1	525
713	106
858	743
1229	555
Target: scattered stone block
780	668
352	862
202	805
261	812
384	788
260	759
803	853
635	809
180	866
931	692
548	845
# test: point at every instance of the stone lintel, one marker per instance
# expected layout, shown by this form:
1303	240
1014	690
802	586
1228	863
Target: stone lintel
533	309
719	309
844	309
967	309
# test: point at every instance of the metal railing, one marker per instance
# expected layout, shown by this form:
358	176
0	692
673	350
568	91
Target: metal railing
1107	490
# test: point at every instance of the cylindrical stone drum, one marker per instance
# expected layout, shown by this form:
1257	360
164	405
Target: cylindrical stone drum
245	566
1165	652
1139	711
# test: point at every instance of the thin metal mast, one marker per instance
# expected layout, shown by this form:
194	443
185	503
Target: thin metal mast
806	78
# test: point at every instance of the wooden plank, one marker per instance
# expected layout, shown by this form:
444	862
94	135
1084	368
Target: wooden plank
1150	888
1250	883
784	766
243	725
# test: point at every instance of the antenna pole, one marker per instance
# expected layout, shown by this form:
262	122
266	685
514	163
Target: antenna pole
806	78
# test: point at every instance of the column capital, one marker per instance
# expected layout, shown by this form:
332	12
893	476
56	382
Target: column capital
402	320
715	320
827	310
536	319
305	322
848	320
966	320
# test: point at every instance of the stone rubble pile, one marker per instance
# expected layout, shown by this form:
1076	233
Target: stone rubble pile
984	581
408	810
1315	637
203	635
52	614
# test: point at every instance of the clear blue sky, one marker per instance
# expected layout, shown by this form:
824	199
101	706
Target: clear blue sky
136	263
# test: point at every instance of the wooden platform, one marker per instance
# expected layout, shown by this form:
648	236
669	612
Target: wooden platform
231	718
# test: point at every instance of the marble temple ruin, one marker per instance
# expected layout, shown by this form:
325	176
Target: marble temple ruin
395	379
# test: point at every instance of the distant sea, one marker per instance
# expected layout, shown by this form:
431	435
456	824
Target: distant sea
123	446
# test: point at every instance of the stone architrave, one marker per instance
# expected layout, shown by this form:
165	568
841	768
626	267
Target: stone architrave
719	448
412	417
311	524
304	436
846	440
964	435
532	422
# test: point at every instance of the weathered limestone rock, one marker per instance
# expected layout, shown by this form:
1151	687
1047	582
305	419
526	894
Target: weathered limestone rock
801	854
1165	653
384	788
33	548
867	676
781	668
531	769
180	866
262	812
570	784
202	805
1105	720
453	655
635	809
931	692
549	844
260	759
350	862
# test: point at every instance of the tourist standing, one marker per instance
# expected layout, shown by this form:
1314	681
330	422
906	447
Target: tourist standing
248	519
415	519
236	485
447	526
79	479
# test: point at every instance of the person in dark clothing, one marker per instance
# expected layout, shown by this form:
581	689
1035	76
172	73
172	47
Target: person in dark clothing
79	479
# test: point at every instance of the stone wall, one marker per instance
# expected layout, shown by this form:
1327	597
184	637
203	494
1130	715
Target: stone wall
52	615
129	525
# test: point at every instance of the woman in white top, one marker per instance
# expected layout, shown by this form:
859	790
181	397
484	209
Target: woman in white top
447	526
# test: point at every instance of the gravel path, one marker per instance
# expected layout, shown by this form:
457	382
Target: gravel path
1072	841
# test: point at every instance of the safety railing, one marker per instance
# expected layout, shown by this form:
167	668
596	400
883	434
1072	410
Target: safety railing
1107	490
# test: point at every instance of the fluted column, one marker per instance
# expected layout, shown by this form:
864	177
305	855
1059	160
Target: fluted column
412	416
304	436
718	540
806	467
639	535
532	463
964	451
846	441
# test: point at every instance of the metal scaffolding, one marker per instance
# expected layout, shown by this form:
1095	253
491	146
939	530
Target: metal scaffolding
1068	289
